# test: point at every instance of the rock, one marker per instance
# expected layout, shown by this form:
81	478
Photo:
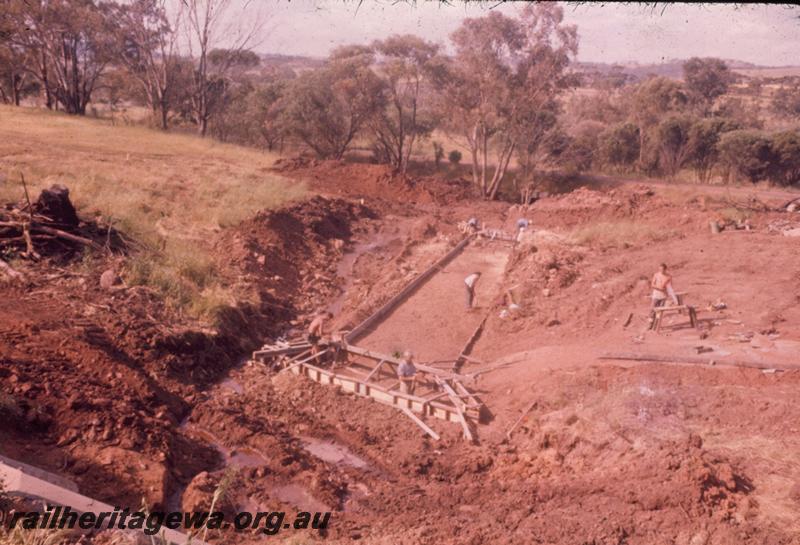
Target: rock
55	204
108	279
792	207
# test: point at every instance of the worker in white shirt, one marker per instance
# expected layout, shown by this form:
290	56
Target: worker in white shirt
469	282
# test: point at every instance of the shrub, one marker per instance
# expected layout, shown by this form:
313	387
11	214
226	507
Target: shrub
746	153
454	157
785	167
704	136
619	145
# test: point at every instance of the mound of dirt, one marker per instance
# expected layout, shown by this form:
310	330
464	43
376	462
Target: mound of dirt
289	256
371	181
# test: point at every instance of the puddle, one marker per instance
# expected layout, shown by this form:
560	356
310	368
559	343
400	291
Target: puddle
344	269
232	384
298	496
333	453
240	457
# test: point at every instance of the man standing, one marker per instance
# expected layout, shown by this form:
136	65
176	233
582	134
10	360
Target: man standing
522	225
469	282
662	288
316	329
407	373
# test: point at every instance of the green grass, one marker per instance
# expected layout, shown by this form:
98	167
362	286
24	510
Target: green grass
618	234
170	192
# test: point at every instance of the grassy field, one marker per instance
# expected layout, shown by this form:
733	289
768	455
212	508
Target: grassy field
170	192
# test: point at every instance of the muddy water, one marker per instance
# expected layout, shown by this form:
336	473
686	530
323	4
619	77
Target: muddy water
297	495
333	453
346	265
233	385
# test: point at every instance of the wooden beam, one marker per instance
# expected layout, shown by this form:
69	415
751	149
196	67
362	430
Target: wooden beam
459	405
378	393
301	362
420	423
377	368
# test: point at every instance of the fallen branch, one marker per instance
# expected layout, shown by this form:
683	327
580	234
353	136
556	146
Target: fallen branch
68	236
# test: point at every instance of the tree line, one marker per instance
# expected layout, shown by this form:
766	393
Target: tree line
502	92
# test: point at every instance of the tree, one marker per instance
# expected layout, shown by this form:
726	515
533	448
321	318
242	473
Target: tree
147	47
208	22
673	141
706	79
326	108
746	153
14	78
618	146
704	136
785	168
404	62
651	101
504	73
68	43
786	101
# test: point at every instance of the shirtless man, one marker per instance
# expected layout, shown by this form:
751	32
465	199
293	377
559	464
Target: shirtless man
316	329
662	288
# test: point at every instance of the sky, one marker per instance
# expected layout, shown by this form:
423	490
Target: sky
767	35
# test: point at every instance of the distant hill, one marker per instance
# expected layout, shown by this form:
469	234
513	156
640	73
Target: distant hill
674	69
631	71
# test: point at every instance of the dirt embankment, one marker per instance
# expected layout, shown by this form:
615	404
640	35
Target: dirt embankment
98	387
97	377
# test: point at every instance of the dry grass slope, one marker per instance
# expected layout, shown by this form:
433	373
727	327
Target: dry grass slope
170	192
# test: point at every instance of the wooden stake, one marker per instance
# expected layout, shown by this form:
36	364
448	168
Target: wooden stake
524	414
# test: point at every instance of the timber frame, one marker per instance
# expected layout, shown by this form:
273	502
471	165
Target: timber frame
368	373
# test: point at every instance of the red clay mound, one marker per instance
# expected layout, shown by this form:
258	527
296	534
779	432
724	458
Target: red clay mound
363	180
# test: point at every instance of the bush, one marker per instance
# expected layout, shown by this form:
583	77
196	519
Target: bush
672	138
619	145
454	157
704	136
746	153
785	167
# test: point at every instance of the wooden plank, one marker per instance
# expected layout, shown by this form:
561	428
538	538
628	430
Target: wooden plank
466	393
459	405
38	487
521	418
301	362
378	393
377	368
420	423
470	342
396	361
269	353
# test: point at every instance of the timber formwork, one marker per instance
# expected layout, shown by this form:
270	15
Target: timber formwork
367	373
439	393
